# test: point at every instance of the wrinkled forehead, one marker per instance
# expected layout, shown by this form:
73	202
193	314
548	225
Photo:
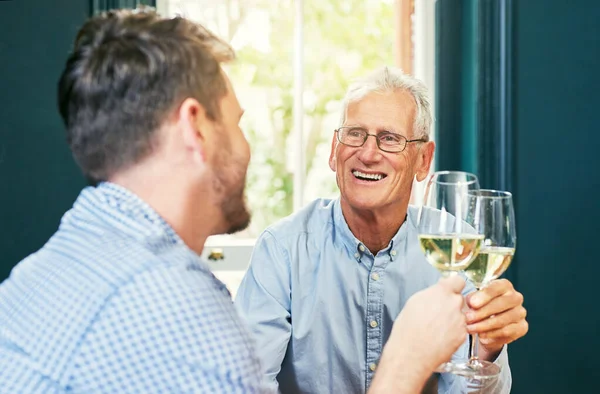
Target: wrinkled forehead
391	110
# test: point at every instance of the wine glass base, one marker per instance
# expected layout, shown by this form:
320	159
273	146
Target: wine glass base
479	370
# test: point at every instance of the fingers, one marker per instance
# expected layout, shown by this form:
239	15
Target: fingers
505	334
494	289
498	321
497	314
454	283
507	301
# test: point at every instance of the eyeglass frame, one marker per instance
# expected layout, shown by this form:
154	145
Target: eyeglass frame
367	134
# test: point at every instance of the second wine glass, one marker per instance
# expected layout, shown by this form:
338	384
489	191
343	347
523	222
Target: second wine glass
491	213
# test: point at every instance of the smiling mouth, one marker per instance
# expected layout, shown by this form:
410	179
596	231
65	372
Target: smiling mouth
363	176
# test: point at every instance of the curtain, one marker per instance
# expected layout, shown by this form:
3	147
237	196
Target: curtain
97	6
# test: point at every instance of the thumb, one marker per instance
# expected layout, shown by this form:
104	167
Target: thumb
454	283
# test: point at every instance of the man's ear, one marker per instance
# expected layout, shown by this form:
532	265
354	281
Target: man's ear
195	127
424	160
332	161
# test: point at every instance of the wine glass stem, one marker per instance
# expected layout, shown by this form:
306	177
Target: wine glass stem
474	359
474	349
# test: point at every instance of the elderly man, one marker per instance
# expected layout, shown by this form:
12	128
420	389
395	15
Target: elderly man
118	300
325	284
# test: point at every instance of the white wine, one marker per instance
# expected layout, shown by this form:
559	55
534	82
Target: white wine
490	263
450	252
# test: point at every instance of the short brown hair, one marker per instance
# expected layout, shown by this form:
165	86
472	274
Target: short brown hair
128	70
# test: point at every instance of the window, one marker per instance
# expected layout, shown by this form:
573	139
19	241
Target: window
295	59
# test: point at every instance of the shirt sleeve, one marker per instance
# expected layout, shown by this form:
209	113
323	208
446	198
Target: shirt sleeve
171	329
263	299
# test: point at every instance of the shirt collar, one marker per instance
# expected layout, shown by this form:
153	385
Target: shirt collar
356	247
132	216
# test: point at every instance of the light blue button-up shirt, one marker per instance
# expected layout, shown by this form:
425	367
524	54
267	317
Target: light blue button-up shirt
115	302
322	306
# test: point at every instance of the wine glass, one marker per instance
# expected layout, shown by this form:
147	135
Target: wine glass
449	242
491	213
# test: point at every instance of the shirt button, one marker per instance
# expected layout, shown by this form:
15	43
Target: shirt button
373	323
356	255
375	276
393	253
361	248
372	366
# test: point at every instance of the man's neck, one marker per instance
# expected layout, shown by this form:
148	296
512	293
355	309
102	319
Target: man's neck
188	212
375	228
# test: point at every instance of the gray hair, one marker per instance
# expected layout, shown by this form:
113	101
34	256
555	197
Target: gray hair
389	79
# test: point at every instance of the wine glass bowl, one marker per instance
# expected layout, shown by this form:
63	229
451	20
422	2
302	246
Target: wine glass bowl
491	213
450	244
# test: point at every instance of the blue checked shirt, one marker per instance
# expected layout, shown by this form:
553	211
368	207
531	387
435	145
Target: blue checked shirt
116	303
322	306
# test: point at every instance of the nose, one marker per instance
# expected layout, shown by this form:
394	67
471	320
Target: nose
369	152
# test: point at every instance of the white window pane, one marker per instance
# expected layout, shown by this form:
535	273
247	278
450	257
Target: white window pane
343	39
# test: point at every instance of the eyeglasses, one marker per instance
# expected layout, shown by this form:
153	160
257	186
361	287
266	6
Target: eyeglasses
386	141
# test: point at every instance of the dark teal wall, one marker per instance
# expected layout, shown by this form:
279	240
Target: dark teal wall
549	159
38	177
557	144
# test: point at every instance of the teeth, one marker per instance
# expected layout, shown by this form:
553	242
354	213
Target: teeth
375	177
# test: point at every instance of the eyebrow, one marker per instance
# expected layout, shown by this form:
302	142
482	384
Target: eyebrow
378	130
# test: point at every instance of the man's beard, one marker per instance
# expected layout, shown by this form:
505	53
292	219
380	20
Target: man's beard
236	213
229	183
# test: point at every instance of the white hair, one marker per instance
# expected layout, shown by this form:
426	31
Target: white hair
390	79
